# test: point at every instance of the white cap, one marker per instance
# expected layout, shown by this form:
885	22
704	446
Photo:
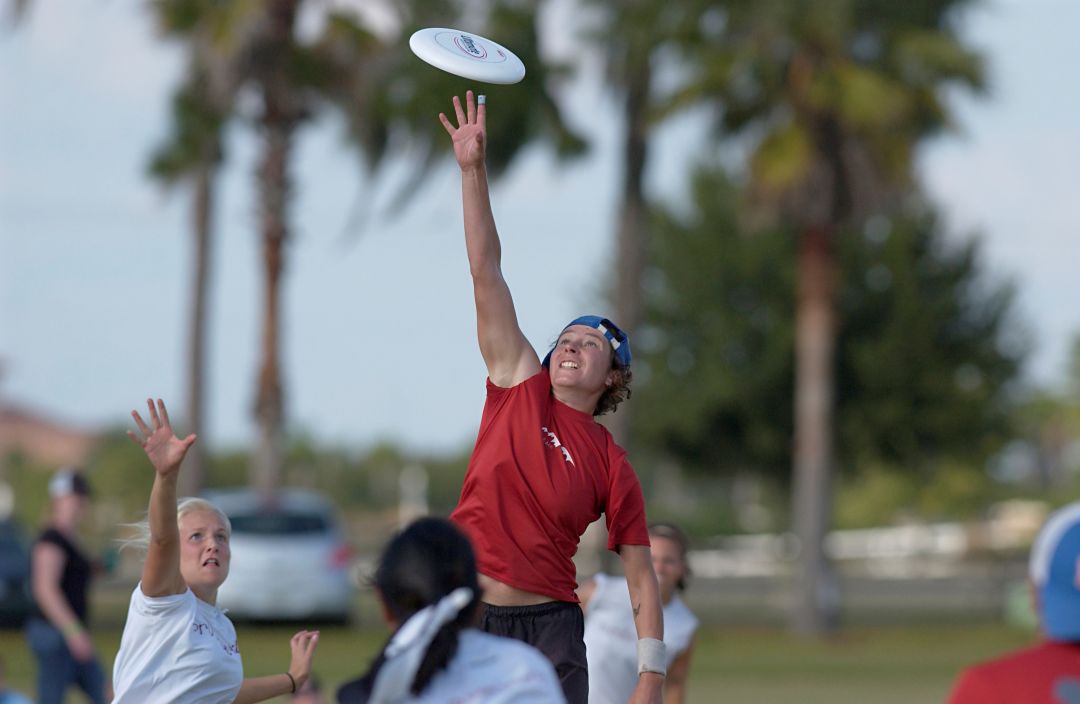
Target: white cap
67	481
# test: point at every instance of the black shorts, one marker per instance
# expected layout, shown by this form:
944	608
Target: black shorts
556	629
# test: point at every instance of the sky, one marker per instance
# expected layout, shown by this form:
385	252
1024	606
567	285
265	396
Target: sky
379	337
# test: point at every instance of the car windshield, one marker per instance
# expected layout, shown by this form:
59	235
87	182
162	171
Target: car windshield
278	523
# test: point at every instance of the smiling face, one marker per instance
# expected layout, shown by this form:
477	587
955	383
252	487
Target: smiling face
668	564
204	553
581	360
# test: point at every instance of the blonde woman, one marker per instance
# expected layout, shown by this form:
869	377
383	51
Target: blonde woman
609	624
177	645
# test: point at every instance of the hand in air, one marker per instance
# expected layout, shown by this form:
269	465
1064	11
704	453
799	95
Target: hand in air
470	133
160	443
303	646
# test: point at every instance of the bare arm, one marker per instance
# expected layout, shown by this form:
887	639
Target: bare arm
161	571
675	686
508	355
258	689
648	613
48	568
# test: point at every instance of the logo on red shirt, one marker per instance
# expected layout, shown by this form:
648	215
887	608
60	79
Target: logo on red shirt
552	440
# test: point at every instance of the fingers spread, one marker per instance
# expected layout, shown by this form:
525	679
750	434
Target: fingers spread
141	425
446	123
459	112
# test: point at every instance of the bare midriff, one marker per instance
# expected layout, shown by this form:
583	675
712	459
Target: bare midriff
499	593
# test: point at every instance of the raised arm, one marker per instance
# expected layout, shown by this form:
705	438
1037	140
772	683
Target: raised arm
648	613
161	571
508	355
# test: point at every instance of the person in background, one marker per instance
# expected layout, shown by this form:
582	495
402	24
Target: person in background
1049	671
60	575
427	584
543	468
609	624
177	645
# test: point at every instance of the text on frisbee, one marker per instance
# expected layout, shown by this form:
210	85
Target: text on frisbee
467	55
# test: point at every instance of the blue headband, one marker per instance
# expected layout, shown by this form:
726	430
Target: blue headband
619	340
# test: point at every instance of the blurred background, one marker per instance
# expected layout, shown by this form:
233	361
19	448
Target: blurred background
838	232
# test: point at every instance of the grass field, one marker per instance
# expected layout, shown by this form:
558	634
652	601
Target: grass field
885	666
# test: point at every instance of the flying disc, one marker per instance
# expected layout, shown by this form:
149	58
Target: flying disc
467	55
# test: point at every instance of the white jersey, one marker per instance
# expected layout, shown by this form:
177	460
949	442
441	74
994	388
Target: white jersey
176	649
611	639
492	670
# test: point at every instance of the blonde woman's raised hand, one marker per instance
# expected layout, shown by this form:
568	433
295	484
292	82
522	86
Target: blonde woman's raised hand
158	440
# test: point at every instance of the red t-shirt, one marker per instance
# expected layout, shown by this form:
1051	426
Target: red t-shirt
1048	673
540	473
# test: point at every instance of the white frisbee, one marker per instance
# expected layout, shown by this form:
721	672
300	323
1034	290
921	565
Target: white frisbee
467	55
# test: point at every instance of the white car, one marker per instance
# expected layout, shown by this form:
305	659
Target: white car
290	560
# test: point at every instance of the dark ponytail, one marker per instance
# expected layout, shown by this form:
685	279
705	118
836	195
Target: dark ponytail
421	565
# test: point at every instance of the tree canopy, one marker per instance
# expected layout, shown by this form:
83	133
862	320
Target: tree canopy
923	363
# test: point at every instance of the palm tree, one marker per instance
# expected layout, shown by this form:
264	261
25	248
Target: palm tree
833	97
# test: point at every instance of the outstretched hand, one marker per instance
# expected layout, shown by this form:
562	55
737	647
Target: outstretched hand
303	650
470	133
160	443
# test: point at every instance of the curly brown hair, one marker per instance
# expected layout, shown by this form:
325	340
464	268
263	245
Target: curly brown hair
618	392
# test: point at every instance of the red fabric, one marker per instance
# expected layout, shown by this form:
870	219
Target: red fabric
1048	673
540	473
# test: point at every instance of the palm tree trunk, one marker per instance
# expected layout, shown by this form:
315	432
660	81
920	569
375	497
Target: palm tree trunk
269	403
278	124
269	406
193	477
816	599
632	233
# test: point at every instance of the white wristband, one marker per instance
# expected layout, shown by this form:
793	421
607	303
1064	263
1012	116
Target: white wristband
651	656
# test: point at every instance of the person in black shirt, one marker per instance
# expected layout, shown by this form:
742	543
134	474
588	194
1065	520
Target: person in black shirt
60	577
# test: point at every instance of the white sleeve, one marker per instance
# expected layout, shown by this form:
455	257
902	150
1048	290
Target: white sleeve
160	606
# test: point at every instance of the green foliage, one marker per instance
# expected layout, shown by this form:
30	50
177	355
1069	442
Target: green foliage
922	365
923	362
30	484
1046	451
885	494
877	495
195	140
713	361
832	95
958	490
121	478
